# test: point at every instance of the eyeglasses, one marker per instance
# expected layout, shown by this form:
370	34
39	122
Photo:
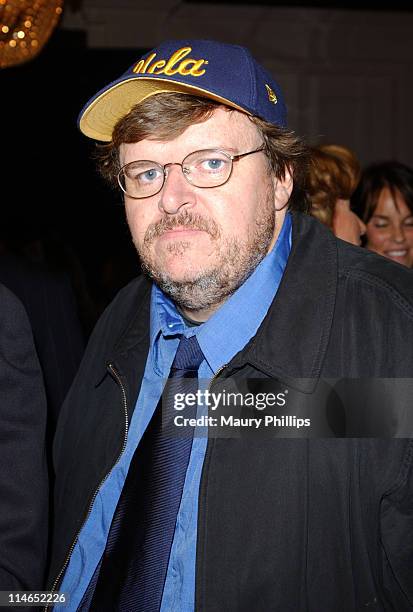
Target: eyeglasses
206	169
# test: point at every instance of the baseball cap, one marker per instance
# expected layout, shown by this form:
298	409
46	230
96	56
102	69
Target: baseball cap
219	71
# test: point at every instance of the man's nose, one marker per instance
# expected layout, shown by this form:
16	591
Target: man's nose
176	191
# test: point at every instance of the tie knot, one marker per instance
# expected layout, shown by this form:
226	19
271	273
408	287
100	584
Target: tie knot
188	356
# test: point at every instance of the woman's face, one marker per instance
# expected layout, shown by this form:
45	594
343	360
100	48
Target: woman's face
390	229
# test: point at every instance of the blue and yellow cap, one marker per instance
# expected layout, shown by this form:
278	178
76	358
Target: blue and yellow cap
224	73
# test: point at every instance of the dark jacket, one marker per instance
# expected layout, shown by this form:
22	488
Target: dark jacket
23	475
50	305
284	525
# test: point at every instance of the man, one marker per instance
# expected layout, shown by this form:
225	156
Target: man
23	473
242	289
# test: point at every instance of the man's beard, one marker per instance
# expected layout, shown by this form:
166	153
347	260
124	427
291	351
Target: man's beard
235	259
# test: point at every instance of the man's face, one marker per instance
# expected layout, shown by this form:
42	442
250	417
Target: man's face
200	244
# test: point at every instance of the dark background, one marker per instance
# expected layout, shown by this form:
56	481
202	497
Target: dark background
54	205
398	5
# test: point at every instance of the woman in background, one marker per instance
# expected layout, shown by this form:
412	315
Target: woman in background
384	200
333	176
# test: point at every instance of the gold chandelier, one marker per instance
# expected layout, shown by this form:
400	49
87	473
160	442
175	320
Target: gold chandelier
25	26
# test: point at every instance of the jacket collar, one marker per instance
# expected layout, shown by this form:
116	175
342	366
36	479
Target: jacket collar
135	332
292	340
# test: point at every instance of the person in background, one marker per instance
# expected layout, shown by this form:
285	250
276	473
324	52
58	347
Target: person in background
50	304
23	470
333	176
384	200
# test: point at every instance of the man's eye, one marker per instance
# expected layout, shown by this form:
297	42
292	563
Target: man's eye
148	176
409	222
213	164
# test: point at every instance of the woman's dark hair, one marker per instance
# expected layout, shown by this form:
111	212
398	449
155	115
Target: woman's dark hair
394	175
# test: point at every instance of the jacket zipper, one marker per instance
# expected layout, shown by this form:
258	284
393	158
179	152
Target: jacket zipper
117	377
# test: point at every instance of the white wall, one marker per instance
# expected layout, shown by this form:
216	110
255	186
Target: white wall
346	75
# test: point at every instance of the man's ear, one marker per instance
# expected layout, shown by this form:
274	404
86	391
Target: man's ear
282	190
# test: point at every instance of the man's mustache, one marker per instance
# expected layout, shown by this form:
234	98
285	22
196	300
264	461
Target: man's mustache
184	219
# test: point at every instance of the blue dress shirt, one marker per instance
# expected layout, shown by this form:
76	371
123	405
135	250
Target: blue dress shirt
220	338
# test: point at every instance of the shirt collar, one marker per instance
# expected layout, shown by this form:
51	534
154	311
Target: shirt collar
165	317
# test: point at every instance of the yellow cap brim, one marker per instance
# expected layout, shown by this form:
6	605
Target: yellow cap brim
100	117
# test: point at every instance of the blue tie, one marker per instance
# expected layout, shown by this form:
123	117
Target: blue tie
132	571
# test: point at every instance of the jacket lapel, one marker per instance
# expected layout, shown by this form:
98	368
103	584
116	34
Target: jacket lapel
292	340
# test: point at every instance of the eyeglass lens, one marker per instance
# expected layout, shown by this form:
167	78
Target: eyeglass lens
207	168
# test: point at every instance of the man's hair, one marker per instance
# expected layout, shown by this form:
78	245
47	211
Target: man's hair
333	174
166	116
394	175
